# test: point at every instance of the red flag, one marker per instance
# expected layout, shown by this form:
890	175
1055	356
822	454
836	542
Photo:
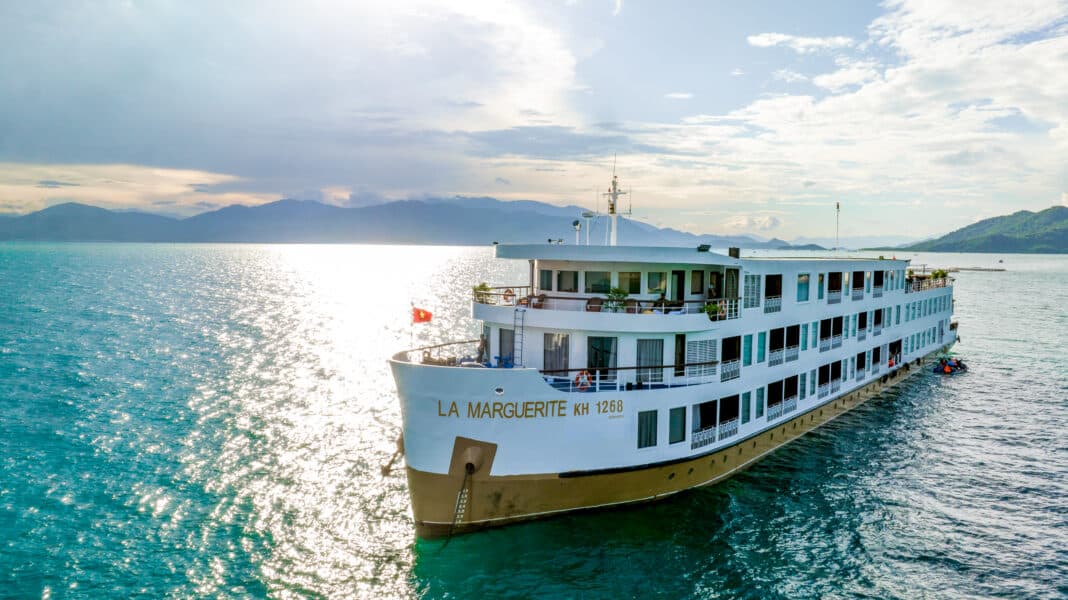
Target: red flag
420	315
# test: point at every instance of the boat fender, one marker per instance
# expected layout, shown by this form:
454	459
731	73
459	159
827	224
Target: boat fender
473	458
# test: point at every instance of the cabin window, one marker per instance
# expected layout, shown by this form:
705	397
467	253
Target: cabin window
598	282
867	281
545	280
752	291
567	281
631	282
747	398
801	380
819	289
555	353
601	353
762	341
650	355
812	382
804	337
697	282
657	283
646	428
802	287
760	402
747	350
677	425
506	350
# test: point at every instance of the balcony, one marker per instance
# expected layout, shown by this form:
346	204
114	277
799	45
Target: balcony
836	385
772	304
731	369
877	291
823	390
825	344
836	341
703	438
860	374
927	283
789	405
728	429
876	330
774	411
858	293
792	353
862	334
522	296
775	357
834	296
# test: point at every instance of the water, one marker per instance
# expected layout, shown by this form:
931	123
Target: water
210	421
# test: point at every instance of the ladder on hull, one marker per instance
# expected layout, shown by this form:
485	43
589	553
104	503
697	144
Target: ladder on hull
518	320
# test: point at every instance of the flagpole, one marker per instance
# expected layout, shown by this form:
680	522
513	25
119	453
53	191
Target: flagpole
837	212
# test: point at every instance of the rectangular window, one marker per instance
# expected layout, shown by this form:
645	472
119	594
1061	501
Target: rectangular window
752	291
760	402
867	282
897	315
567	281
699	352
657	283
747	350
598	282
555	353
804	337
630	282
801	379
819	290
812	382
506	350
545	280
697	282
680	354
762	341
746	399
647	429
802	287
677	428
601	355
650	355
815	332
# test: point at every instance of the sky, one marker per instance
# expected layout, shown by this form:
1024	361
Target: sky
918	117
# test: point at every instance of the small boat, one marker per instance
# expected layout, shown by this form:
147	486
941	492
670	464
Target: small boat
949	364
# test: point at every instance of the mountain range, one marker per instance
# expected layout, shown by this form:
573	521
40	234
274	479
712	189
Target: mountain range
444	221
1045	231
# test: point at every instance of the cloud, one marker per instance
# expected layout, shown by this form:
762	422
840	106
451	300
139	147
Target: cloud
851	73
789	76
799	44
678	96
737	72
753	223
53	184
502	181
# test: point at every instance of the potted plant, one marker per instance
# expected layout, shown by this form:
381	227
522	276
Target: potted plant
713	310
614	299
482	293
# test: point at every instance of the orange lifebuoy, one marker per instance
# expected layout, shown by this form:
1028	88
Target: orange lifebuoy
583	380
509	296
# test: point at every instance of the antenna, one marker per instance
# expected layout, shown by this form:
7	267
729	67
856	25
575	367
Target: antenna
837	212
612	195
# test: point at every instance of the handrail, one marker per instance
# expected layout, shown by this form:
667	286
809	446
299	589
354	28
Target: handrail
614	369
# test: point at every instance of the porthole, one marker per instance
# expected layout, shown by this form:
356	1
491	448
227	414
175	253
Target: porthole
671	476
690	472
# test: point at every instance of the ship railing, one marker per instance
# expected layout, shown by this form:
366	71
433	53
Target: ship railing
836	385
858	293
703	437
728	428
772	304
877	291
862	334
927	283
789	405
776	357
823	390
503	295
792	353
730	369
875	368
860	374
836	341
774	411
449	354
825	344
834	296
876	330
598	379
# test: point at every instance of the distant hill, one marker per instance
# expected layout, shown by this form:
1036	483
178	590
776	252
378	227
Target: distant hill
1024	231
441	221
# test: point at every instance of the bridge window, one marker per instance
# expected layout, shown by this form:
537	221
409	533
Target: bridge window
631	282
598	282
646	428
677	425
567	281
545	280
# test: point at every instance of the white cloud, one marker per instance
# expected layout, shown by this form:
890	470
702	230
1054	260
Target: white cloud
789	76
617	8
799	44
851	73
678	96
737	72
753	223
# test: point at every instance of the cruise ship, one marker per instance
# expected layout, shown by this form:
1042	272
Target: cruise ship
622	374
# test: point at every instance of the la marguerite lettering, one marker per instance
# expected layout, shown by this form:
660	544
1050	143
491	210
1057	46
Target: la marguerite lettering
531	409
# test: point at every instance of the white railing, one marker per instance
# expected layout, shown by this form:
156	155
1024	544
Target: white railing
876	330
775	357
823	390
836	341
877	291
875	368
792	353
772	304
703	438
774	411
728	428
860	374
862	334
858	293
825	344
789	405
834	296
836	385
731	369
695	376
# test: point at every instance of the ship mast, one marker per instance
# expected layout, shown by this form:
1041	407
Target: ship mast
613	194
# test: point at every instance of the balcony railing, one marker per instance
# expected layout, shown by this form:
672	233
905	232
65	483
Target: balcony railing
789	405
521	295
836	341
728	428
731	369
876	330
836	385
834	296
825	344
703	438
774	411
877	291
858	293
792	353
860	374
823	390
776	357
772	304
862	334
875	368
927	283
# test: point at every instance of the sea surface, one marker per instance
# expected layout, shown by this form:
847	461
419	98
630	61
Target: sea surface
210	421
